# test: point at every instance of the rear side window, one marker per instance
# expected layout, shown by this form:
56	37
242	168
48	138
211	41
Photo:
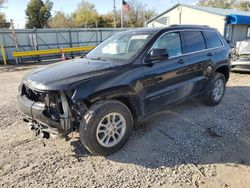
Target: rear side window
193	41
171	42
212	39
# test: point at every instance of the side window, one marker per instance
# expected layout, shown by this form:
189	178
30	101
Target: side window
212	39
193	41
171	42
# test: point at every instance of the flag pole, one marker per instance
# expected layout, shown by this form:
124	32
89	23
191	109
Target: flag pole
122	15
114	15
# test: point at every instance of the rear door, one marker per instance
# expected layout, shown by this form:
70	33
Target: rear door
215	46
199	59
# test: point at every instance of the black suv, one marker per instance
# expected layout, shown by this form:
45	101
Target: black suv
129	76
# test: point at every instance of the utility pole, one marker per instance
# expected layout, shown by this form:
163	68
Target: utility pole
179	10
14	37
122	15
114	15
144	16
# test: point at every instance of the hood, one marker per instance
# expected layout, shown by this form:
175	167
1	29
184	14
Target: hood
62	75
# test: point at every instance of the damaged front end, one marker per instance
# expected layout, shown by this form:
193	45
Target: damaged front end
49	112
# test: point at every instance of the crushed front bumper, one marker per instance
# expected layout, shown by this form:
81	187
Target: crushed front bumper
33	112
37	115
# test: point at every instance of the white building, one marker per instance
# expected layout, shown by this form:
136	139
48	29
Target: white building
232	24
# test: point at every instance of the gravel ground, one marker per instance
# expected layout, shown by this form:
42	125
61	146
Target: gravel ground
190	146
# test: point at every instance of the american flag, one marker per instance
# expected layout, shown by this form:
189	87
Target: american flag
125	6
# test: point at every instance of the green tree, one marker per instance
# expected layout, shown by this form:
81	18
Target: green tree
85	15
101	22
137	16
226	4
108	20
3	22
139	13
38	13
61	20
217	3
243	5
2	2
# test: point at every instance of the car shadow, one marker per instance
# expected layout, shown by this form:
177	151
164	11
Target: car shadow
191	133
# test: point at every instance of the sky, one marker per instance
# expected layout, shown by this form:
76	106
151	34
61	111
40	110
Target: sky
15	9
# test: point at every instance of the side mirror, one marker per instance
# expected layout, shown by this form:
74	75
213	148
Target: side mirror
158	54
228	41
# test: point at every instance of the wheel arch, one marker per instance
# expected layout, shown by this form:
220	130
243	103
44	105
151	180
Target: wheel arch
224	69
131	104
125	95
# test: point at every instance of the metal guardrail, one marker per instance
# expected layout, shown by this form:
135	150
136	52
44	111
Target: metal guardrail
51	51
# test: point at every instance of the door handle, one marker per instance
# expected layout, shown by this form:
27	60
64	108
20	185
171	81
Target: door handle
210	54
181	61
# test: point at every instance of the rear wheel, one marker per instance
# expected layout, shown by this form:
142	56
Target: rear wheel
106	127
216	90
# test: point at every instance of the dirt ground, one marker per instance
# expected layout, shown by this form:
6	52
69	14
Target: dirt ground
192	145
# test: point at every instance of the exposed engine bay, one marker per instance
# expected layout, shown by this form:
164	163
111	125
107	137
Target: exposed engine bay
50	113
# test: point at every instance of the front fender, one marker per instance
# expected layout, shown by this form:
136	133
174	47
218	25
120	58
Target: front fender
126	84
108	93
132	96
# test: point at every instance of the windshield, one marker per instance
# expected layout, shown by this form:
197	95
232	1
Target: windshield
121	46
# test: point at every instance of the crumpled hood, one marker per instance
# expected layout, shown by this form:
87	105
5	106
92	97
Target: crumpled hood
61	75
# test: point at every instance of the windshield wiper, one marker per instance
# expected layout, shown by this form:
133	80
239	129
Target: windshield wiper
98	58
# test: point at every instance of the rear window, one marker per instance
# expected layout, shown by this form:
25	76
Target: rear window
193	41
212	39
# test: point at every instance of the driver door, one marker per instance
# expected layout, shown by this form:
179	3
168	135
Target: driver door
164	80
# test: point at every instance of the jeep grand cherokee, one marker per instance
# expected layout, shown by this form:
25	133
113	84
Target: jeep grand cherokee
126	78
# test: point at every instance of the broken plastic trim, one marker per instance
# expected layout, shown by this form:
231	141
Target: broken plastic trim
65	118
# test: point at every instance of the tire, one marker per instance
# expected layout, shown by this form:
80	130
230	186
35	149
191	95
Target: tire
215	90
102	120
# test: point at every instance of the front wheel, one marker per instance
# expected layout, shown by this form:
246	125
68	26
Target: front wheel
106	127
216	90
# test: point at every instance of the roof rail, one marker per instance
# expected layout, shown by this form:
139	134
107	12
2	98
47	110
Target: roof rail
187	25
